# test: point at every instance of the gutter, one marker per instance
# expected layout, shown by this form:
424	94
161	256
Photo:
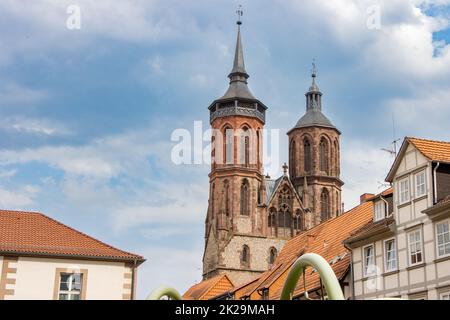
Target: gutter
435	183
352	275
133	281
387	206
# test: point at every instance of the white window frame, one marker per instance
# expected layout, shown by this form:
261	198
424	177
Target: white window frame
444	295
386	269
424	184
379	215
401	191
446	221
421	247
366	271
71	291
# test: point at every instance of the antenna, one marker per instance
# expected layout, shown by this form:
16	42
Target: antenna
393	150
239	13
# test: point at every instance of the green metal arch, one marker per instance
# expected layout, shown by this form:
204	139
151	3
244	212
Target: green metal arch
325	271
160	292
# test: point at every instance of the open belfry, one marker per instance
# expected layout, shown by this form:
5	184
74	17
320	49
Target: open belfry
251	216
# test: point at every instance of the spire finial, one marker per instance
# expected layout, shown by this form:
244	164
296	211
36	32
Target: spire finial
239	13
285	169
314	69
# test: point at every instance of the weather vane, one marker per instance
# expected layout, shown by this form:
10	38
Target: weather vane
239	13
314	68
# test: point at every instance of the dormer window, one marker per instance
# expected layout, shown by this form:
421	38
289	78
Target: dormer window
380	211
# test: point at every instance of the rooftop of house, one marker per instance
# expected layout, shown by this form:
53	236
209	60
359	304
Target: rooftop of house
209	288
35	234
326	239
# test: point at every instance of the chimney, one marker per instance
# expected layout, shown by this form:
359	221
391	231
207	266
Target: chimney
364	197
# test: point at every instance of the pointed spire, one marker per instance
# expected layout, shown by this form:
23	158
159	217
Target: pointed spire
238	70
314	87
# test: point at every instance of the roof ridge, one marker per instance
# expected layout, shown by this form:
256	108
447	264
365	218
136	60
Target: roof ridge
429	140
72	229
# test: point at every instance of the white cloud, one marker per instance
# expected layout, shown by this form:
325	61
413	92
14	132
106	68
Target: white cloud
14	94
33	126
18	199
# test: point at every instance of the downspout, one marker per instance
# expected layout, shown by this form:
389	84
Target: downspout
352	276
133	274
435	183
387	206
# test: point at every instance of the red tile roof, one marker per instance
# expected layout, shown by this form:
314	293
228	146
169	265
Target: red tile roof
32	233
325	239
433	150
209	288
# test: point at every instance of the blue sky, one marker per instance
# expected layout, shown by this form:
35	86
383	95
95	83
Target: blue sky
86	115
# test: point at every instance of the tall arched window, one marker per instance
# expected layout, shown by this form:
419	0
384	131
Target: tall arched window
292	157
272	255
324	205
226	188
229	145
244	143
307	155
245	198
272	222
245	255
299	223
336	158
323	148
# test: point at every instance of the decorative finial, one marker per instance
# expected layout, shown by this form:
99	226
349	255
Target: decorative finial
239	13
285	168
314	69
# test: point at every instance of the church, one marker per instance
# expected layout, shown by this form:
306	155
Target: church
251	216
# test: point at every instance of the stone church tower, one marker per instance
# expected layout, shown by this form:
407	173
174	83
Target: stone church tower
242	238
314	159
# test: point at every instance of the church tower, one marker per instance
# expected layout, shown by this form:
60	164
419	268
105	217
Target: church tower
236	223
314	159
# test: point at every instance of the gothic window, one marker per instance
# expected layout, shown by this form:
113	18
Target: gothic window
336	157
324	205
272	224
292	157
244	147
229	139
272	255
323	148
226	188
245	256
258	152
307	155
299	223
245	198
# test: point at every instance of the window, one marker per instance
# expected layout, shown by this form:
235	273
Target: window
444	296
369	260
443	238
272	256
229	139
292	157
379	211
404	190
245	198
245	258
70	286
227	197
390	255
323	148
298	221
307	154
324	205
415	247
421	188
244	147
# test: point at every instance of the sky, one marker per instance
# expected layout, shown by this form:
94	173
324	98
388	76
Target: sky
87	114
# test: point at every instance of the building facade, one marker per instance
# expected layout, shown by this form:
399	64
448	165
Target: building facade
405	251
42	259
251	216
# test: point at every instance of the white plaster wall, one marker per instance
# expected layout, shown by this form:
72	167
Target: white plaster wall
35	278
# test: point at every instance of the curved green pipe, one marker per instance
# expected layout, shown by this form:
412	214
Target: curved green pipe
326	273
160	292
